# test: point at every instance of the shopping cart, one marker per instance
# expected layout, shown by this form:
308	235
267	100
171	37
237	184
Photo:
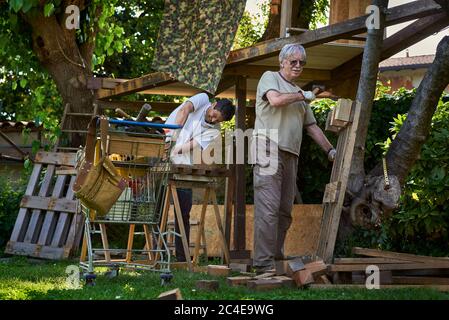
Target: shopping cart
142	159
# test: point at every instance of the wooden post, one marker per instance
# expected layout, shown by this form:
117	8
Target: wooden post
286	16
240	185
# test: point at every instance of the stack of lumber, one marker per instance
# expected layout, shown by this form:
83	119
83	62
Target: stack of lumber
396	269
294	273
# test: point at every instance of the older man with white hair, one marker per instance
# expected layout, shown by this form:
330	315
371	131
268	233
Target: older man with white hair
283	106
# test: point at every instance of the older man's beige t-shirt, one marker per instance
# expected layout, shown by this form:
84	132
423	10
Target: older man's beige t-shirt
289	120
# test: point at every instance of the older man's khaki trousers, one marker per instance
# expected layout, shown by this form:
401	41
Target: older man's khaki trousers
273	202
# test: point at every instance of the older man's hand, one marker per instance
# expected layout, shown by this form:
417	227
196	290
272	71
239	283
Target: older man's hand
309	95
332	154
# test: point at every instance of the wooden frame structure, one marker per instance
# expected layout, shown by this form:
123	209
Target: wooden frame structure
250	63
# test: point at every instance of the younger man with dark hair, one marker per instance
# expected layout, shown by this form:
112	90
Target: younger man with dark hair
201	125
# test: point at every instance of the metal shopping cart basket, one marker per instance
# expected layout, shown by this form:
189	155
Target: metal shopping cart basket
139	151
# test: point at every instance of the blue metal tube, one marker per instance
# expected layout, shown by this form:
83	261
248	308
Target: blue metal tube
145	124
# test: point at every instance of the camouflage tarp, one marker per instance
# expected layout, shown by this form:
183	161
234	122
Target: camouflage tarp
195	38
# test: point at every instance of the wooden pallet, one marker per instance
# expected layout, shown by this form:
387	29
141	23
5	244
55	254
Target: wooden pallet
48	224
395	268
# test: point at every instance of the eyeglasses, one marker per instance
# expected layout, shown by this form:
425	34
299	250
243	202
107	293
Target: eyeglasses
297	62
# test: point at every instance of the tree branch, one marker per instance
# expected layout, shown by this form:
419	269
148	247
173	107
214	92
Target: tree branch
365	95
88	47
406	147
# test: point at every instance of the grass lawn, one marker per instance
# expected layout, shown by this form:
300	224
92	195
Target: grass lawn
24	279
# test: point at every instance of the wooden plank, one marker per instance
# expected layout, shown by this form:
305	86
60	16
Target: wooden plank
398	14
127	144
48	203
20	224
399	256
220	228
420	280
174	294
264	284
63	223
367	261
207	285
201	227
36	219
50	222
334	122
179	218
343	110
331	192
240	177
237	281
56	158
303	278
256	72
218	270
286	281
441	288
37	251
390	266
286	16
239	267
340	172
265	275
145	82
68	172
129	246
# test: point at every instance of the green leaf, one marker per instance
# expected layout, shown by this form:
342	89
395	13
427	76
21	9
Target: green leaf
27	163
13	21
16	5
35	146
49	9
28	4
14	85
23	83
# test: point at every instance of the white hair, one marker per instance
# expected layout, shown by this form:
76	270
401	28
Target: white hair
290	49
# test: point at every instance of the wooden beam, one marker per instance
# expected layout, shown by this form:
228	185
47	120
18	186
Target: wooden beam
96	83
395	15
286	16
256	71
135	85
414	33
390	266
400	256
162	107
240	186
401	40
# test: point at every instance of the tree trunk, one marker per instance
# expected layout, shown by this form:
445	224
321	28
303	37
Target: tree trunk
365	95
57	50
374	201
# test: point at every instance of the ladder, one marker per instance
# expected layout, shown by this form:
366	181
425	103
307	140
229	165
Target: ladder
70	117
